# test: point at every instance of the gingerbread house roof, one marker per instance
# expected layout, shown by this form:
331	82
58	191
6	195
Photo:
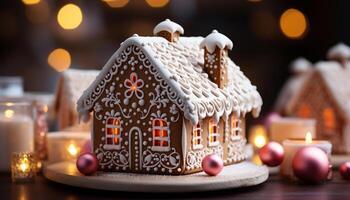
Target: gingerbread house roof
336	79
180	66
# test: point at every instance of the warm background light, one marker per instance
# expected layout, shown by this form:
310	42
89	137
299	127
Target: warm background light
157	3
258	136
9	113
69	16
72	150
59	59
293	23
116	3
30	2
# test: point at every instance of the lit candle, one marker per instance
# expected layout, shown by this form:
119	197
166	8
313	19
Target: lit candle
258	136
23	167
291	128
65	146
292	146
16	131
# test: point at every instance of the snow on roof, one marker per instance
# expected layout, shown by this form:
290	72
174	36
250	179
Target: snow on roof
339	50
180	66
300	65
168	25
216	39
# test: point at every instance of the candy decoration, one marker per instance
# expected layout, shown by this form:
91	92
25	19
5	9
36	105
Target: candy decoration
212	164
311	164
271	154
87	163
344	170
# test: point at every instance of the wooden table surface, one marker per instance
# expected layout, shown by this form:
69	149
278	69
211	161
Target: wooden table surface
273	189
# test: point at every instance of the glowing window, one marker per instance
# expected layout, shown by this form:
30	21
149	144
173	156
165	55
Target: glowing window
235	127
161	136
328	119
197	137
213	138
304	111
113	134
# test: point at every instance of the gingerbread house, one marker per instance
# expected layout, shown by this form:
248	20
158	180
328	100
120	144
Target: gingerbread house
162	103
323	93
71	85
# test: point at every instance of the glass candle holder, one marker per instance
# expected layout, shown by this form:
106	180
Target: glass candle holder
23	167
16	131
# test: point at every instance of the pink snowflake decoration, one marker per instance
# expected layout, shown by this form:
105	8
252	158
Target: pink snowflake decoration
133	85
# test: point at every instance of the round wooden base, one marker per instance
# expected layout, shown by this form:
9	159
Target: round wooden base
234	176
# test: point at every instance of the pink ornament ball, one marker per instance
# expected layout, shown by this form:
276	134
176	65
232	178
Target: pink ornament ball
212	164
271	154
271	117
311	164
87	147
87	163
344	170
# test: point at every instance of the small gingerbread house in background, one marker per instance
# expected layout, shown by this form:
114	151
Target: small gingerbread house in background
323	93
162	103
70	87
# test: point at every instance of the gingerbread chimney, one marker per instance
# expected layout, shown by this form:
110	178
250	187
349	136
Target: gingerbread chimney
168	30
340	53
215	50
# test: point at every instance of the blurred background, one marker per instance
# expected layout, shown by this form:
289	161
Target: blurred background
42	38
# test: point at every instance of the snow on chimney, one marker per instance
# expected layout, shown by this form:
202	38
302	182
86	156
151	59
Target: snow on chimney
215	50
168	30
340	52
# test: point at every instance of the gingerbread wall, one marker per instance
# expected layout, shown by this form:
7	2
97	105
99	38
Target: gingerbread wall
136	96
314	99
230	148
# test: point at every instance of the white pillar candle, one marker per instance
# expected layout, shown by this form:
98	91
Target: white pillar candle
65	146
16	135
291	128
292	146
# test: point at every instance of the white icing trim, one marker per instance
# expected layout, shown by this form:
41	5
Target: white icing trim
300	65
168	25
189	88
216	39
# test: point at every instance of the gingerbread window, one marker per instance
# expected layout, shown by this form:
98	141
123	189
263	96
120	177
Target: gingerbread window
197	137
328	119
112	133
304	111
161	136
236	129
213	137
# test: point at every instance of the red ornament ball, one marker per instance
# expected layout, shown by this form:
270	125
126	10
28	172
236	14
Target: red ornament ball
311	164
344	170
271	154
87	163
212	164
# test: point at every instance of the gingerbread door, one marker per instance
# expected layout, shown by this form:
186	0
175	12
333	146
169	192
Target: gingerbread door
135	149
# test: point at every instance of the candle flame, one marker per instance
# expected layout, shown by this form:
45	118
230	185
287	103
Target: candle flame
72	150
259	141
9	113
308	138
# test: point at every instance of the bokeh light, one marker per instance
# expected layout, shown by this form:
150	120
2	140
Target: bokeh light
59	59
30	2
38	13
69	16
293	23
157	3
116	3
